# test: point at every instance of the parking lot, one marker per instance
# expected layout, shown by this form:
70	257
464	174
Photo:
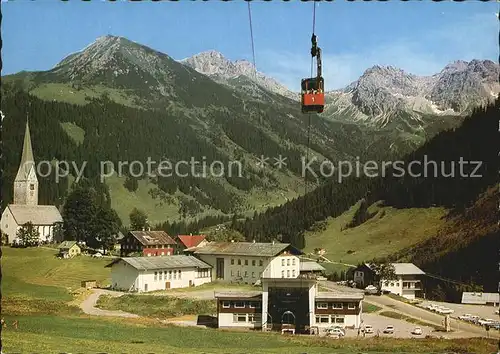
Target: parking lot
402	329
460	309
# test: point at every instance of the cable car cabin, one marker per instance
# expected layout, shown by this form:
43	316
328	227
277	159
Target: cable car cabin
313	96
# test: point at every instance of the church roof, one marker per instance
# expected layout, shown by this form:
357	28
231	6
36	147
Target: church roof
37	214
27	159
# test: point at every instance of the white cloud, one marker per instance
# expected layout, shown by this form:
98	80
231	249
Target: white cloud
424	54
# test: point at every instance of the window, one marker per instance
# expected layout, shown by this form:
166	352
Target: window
239	317
179	274
175	274
282	262
232	274
156	276
253	274
351	306
161	275
32	187
226	304
288	262
239	305
392	284
288	273
282	273
322	305
253	262
339	320
232	261
246	274
239	274
169	274
261	263
254	317
254	304
246	261
323	319
293	261
386	283
293	273
338	306
239	261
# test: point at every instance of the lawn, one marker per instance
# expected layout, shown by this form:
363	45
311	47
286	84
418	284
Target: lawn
370	308
35	293
389	231
158	306
71	334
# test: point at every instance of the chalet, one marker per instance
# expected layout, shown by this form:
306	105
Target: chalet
364	275
147	243
69	249
310	267
143	274
190	241
247	262
408	283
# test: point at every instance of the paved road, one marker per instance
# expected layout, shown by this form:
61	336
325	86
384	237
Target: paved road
88	305
461	329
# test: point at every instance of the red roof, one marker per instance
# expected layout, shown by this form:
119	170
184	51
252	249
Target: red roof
191	240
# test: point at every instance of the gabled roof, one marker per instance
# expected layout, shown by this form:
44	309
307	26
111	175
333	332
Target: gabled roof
37	214
311	267
327	295
151	238
65	245
244	249
191	240
162	262
407	269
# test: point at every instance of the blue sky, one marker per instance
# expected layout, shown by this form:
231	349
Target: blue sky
419	37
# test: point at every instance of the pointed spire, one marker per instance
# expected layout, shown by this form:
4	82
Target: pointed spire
27	159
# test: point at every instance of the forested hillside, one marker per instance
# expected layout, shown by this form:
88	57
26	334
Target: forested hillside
475	140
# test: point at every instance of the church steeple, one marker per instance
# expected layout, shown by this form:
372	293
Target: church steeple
26	183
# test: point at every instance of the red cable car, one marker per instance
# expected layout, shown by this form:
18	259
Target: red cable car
313	89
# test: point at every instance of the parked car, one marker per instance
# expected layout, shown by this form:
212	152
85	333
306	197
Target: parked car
444	310
485	321
417	331
474	319
389	329
368	329
370	289
465	317
335	332
496	312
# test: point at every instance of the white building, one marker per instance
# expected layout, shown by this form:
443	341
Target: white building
490	299
25	206
247	262
407	283
293	304
143	274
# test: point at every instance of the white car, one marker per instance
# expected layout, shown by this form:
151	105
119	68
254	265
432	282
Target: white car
335	332
444	310
417	331
485	321
465	317
496	312
389	329
368	329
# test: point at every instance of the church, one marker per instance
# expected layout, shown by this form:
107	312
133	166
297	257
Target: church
25	206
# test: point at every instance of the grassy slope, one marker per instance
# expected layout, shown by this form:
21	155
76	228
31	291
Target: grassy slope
389	231
35	294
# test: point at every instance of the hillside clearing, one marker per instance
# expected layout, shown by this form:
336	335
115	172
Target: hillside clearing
387	232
